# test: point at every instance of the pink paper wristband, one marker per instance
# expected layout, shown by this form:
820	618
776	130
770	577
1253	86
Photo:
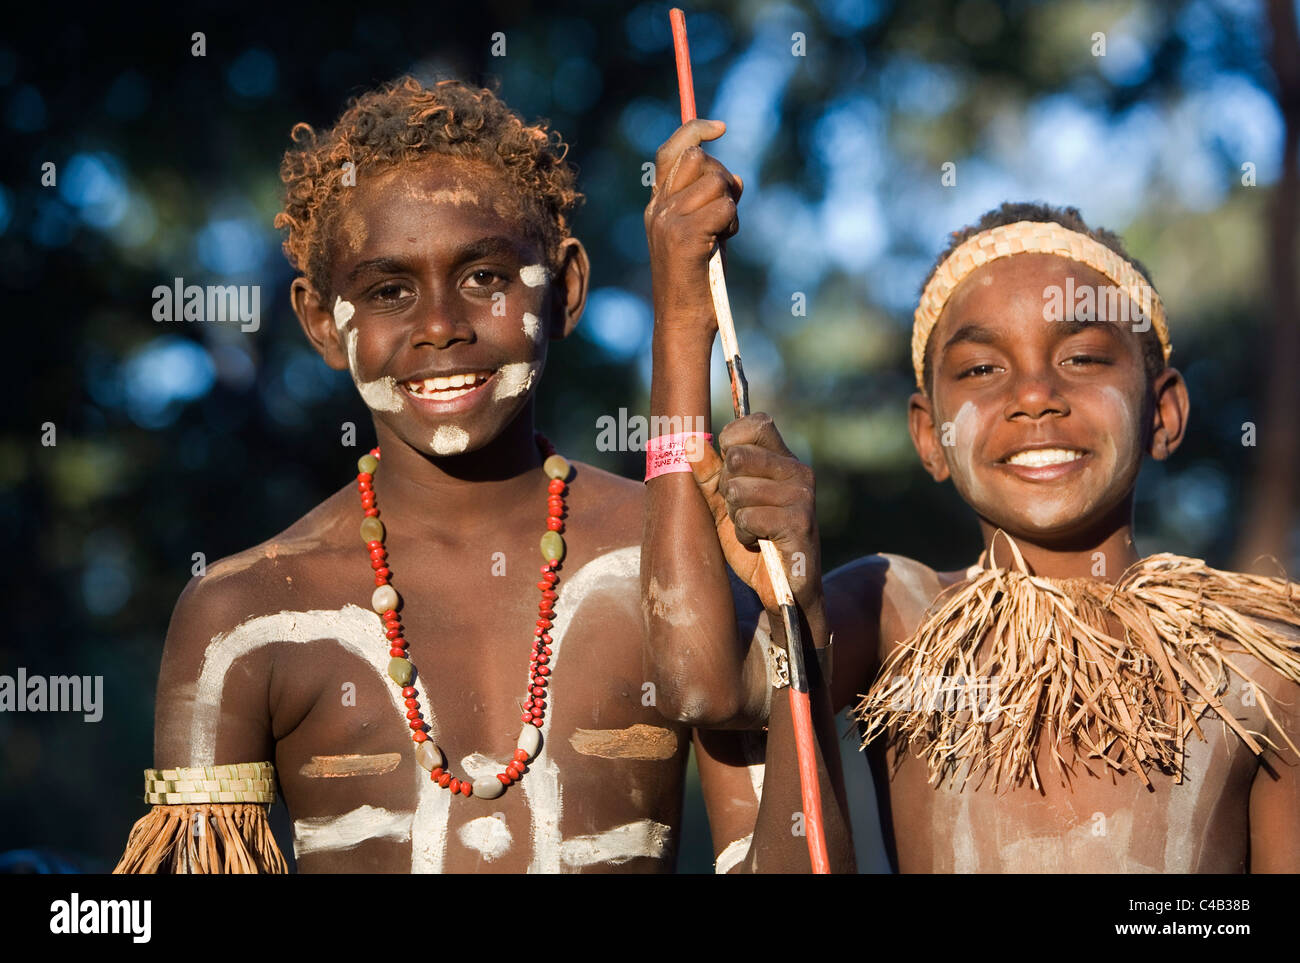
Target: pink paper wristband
667	453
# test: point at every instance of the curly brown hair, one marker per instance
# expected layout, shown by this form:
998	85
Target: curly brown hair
401	121
1153	358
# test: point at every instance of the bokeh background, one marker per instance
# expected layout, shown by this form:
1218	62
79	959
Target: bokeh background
176	438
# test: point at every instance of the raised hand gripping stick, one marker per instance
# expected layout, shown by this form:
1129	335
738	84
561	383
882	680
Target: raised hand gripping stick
800	707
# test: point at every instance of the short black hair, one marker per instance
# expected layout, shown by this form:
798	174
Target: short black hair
1153	356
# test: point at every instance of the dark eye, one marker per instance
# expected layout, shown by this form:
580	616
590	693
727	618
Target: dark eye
389	292
483	278
977	371
1085	359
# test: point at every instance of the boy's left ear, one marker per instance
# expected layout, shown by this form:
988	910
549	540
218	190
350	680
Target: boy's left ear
1169	418
569	287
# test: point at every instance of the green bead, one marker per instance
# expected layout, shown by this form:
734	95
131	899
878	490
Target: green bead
556	467
552	546
367	463
372	529
399	670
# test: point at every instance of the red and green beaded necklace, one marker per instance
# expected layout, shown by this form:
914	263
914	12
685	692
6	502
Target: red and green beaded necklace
385	601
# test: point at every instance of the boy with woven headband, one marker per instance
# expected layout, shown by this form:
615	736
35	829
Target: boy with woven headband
397	651
1063	704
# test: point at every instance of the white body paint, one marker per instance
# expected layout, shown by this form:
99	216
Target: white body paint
645	837
343	311
534	275
380	395
532	326
357	629
449	440
735	851
488	835
351	829
514	379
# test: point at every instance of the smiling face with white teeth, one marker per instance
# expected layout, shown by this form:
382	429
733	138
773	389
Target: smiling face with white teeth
448	302
1042	425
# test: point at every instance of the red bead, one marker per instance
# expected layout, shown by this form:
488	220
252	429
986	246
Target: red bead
537	723
365	476
538	690
539	703
454	786
412	713
554	525
395	632
544	670
543	585
412	703
396	652
417	723
537	713
548	574
513	771
527	717
521	755
372	513
376	563
436	773
375	451
546	649
505	780
377	553
380	580
532	667
363	486
375	543
383	573
409	692
555	511
391	616
543	659
543	623
466	788
528	704
444	779
420	736
546	613
556	486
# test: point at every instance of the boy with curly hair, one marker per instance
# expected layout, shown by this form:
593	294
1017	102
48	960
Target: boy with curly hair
1063	704
396	653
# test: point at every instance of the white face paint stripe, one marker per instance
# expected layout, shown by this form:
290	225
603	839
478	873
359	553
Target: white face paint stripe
733	853
332	833
532	326
449	440
645	837
542	784
516	378
357	630
534	275
488	835
343	312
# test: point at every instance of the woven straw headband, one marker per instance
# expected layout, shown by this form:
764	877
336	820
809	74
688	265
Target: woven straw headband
1028	237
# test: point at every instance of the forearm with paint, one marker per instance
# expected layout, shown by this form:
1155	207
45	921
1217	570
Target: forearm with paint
693	652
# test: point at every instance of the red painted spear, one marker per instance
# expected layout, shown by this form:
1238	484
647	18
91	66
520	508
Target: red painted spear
800	708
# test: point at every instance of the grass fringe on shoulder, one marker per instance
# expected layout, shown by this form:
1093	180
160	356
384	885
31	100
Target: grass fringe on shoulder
1117	674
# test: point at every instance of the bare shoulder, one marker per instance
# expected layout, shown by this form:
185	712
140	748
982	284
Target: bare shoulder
910	588
318	532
